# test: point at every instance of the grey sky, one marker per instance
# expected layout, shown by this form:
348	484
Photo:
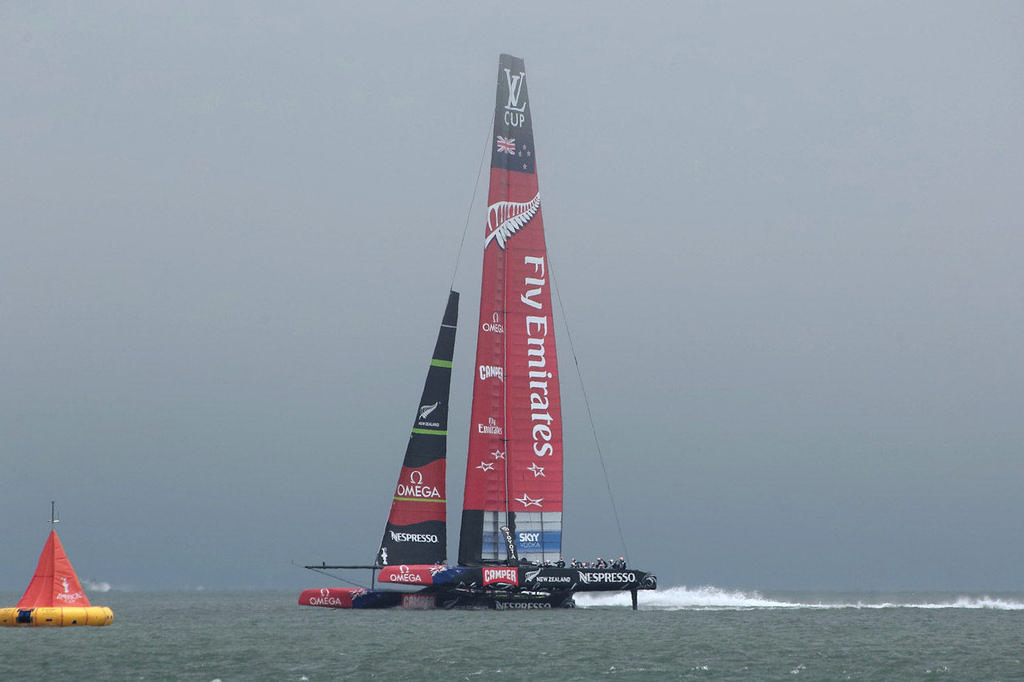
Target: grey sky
788	239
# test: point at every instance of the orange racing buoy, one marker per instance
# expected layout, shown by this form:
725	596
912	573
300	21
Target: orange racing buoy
55	596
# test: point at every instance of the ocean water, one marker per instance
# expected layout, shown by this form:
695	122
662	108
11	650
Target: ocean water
678	633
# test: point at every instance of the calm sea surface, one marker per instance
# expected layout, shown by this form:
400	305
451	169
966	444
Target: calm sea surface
702	634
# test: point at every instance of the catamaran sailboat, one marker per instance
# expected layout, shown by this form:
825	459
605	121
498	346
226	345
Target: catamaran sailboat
510	543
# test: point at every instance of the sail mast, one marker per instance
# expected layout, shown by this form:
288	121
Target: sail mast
514	468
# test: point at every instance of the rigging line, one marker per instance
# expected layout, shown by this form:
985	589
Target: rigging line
472	201
590	414
337	577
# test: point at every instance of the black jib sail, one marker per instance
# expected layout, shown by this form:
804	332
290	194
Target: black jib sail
416	529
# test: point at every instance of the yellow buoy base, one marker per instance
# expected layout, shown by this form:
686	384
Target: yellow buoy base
57	616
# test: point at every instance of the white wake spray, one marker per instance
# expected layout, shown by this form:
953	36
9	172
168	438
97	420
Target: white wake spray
711	598
95	585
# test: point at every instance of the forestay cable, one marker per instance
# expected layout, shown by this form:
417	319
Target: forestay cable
586	402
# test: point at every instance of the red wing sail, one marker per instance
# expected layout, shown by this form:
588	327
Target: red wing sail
54	582
416	532
514	471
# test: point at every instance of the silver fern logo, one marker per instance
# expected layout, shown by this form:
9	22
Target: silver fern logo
505	218
425	410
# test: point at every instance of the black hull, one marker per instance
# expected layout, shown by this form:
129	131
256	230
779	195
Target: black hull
505	601
434	598
524	577
500	588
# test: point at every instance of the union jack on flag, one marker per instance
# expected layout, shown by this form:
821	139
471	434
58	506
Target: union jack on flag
507	144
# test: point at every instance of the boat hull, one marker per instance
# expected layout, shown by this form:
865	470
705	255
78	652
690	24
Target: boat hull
350	598
56	616
529	578
503	588
513	600
433	598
